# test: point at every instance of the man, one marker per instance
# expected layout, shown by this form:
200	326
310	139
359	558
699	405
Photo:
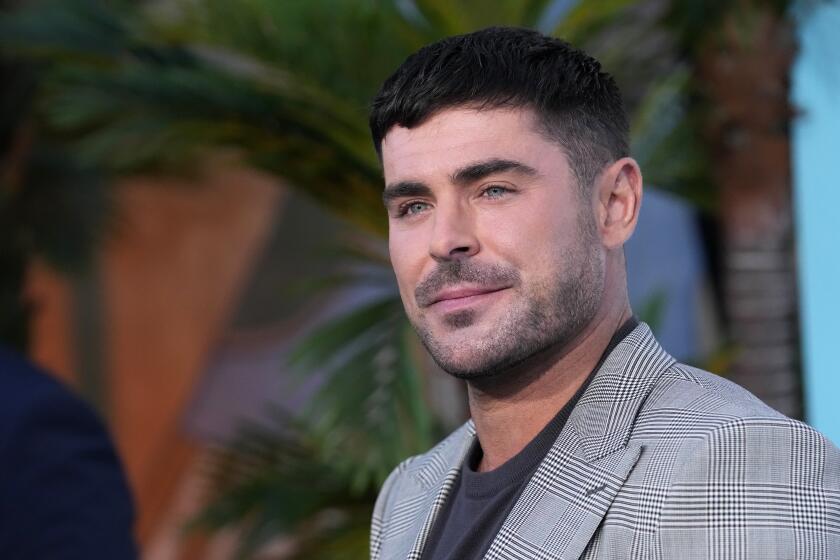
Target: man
510	192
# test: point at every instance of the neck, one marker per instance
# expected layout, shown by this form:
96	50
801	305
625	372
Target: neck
510	411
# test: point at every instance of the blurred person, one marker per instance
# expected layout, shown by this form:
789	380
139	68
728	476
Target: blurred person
62	491
63	495
510	194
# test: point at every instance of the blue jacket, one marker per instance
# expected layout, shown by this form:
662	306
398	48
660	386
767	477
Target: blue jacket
62	491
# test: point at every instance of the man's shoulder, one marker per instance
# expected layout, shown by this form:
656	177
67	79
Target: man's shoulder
692	408
60	479
28	391
683	389
411	485
20	374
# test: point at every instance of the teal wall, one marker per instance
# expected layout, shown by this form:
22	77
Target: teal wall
816	177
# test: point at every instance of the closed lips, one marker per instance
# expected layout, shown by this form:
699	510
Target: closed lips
462	293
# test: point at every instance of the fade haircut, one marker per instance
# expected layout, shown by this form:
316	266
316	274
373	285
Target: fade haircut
576	104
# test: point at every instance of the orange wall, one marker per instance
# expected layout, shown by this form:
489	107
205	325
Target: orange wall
171	273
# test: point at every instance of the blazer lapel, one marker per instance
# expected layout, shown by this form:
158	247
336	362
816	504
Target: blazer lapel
435	478
574	486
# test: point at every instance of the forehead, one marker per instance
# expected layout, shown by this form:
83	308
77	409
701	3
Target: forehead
453	138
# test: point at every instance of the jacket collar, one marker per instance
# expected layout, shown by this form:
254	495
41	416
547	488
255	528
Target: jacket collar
606	413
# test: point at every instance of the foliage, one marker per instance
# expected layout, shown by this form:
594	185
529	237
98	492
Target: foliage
159	88
366	361
269	478
50	206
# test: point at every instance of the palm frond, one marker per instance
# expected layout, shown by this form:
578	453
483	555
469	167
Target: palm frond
80	29
369	412
261	483
154	103
665	143
462	16
585	19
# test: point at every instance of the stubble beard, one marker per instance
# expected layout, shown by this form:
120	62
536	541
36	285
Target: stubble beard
546	316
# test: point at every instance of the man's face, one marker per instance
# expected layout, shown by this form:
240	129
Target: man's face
496	253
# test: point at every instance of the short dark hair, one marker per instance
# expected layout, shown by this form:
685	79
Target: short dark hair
577	104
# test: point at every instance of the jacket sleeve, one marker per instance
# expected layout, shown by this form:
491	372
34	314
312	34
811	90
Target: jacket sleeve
754	488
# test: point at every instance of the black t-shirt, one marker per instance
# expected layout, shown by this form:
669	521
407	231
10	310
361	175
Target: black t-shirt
480	502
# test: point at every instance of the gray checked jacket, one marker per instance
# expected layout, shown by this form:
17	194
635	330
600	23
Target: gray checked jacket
658	460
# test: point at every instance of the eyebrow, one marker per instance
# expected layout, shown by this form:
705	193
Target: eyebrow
462	176
405	189
479	170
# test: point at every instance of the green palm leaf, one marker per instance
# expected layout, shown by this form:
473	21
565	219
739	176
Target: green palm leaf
462	16
261	482
370	411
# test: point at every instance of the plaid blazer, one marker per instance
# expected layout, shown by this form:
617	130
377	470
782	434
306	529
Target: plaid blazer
658	460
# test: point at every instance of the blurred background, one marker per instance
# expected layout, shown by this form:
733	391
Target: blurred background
192	237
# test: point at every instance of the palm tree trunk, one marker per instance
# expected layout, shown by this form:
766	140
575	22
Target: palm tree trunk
744	73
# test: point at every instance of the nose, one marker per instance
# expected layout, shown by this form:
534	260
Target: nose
453	234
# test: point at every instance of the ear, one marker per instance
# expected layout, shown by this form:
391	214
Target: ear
619	197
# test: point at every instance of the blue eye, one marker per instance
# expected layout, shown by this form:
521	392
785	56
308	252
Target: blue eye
495	191
413	208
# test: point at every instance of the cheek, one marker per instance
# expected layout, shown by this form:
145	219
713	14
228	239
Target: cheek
534	242
527	237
